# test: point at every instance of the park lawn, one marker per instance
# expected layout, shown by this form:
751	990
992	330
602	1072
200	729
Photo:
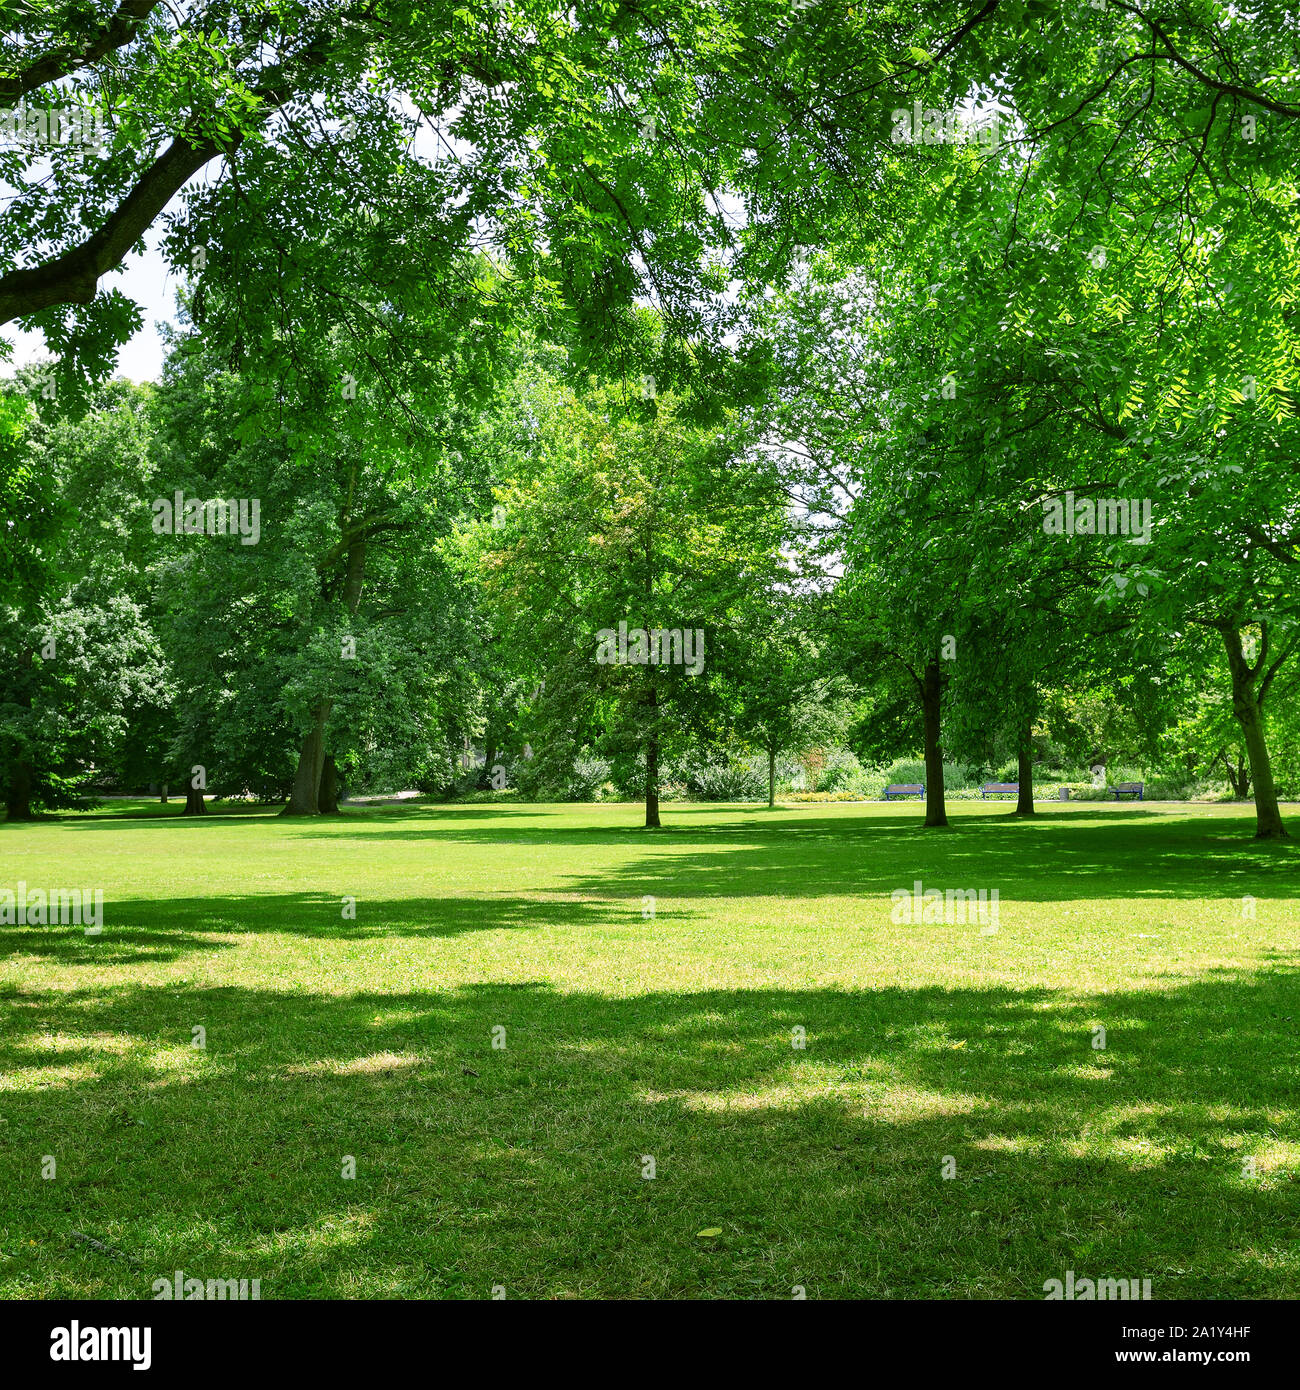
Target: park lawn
668	1035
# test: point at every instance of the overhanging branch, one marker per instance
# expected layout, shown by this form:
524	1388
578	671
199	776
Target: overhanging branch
60	62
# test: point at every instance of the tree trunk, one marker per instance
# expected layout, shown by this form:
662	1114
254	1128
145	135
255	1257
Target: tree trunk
18	794
771	778
1246	706
329	787
162	795
304	799
1242	780
1025	771
652	766
1238	774
931	687
18	786
195	805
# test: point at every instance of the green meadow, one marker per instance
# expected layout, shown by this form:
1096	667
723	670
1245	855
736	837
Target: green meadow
649	990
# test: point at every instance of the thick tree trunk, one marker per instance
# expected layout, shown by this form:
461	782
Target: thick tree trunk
931	686
652	766
329	787
771	778
18	794
305	796
163	795
1246	706
194	802
1025	771
304	799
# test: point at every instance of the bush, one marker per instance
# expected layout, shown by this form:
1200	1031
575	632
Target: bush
842	772
1172	787
957	777
586	778
825	796
722	778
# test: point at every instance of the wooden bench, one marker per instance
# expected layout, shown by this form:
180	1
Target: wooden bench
999	789
899	789
1133	789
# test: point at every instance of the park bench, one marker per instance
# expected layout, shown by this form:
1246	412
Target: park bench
999	789
1127	789
897	789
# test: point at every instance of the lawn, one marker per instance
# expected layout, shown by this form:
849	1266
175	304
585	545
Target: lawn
665	1030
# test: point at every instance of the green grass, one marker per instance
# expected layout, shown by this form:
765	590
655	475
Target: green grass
671	1037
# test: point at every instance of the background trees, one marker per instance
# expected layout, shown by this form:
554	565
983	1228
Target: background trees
626	523
347	633
522	324
75	637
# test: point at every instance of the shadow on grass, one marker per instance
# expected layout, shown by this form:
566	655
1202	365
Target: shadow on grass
1130	854
138	930
523	1166
1068	856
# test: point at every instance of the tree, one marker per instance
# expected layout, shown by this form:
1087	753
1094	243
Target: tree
336	621
631	538
786	697
74	631
306	161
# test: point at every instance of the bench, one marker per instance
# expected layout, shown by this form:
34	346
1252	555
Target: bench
999	789
898	789
1133	789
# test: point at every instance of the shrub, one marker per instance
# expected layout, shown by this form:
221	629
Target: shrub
825	796
723	778
957	777
842	772
586	777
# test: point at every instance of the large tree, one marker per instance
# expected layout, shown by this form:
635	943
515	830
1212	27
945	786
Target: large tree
75	632
628	523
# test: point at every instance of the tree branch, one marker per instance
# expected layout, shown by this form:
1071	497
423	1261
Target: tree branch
73	277
60	62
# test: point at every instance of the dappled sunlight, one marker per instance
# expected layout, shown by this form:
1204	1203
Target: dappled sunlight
359	1066
899	1104
670	1030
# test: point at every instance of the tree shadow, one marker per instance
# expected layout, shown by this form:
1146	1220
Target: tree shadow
142	930
523	1165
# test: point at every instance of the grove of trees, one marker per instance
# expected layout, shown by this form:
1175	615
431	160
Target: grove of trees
892	385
